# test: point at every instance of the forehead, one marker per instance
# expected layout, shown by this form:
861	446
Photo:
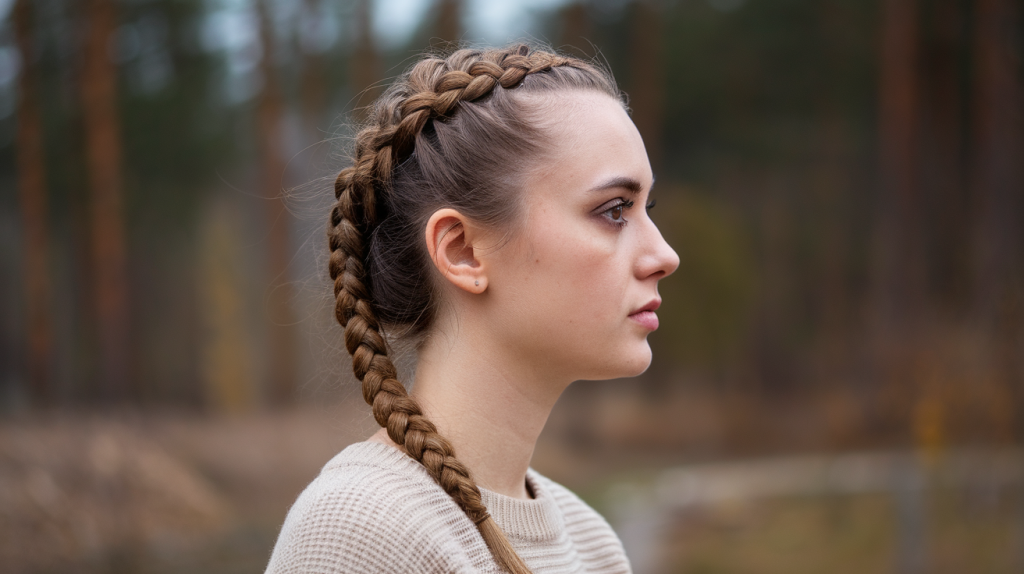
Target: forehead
591	139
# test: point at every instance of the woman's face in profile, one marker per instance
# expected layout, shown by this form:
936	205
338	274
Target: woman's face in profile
571	287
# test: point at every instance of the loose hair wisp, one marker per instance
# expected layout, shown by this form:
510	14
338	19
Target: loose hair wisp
449	133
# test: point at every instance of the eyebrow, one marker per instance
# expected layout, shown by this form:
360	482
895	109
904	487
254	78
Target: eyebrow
631	185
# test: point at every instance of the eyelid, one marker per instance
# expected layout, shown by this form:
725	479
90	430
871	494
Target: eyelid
613	203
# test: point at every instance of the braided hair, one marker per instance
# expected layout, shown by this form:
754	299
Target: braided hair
451	132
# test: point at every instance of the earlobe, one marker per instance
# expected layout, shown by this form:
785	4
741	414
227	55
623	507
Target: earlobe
449	237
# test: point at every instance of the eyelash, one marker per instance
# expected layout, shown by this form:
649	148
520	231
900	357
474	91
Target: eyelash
623	205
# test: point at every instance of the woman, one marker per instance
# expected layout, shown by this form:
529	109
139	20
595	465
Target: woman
496	213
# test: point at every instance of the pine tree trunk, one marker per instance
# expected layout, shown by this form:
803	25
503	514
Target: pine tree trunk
226	362
449	21
998	170
899	250
270	114
365	62
577	32
647	80
949	236
998	189
313	89
103	159
32	188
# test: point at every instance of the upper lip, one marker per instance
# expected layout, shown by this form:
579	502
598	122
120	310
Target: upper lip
653	305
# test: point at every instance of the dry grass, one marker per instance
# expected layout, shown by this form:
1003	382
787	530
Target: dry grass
144	492
847	535
162	493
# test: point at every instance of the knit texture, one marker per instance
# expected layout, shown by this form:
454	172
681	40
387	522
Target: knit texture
373	509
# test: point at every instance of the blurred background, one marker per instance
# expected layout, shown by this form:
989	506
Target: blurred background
838	383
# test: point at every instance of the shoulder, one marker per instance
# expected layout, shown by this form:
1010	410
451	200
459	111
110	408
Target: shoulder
594	539
373	509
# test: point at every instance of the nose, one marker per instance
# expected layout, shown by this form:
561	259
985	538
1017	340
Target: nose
658	260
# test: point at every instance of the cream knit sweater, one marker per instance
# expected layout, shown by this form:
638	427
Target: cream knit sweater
373	509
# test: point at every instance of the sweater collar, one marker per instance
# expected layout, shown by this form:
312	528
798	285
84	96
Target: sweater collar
533	520
529	520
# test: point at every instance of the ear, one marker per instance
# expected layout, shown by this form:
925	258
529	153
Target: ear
450	240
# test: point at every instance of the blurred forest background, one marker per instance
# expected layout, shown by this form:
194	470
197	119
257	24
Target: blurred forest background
843	180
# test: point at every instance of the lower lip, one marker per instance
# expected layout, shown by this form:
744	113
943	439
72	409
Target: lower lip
646	318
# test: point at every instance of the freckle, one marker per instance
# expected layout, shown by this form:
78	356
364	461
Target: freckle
538	261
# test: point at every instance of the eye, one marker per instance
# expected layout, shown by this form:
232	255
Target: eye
615	212
651	204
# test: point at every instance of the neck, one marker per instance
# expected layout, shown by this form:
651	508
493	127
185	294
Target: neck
490	405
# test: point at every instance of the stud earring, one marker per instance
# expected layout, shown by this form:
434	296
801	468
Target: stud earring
477	283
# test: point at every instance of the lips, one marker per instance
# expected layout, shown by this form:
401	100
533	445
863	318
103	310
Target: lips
645	315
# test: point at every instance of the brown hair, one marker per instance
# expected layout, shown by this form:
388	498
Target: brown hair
449	133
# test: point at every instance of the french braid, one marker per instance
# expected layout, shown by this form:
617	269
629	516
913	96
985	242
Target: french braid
434	89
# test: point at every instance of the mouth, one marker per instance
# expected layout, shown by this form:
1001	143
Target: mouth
645	315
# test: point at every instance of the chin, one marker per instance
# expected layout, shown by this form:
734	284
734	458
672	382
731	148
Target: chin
641	365
640	358
630	364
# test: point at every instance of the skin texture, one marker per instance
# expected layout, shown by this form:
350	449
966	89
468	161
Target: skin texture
525	315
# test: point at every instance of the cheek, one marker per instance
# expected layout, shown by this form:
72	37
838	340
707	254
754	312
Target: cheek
578	284
565	298
590	285
589	278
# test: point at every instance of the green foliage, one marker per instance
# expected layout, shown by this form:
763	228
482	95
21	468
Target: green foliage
747	85
177	133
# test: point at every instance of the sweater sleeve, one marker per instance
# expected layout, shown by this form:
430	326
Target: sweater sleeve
366	520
